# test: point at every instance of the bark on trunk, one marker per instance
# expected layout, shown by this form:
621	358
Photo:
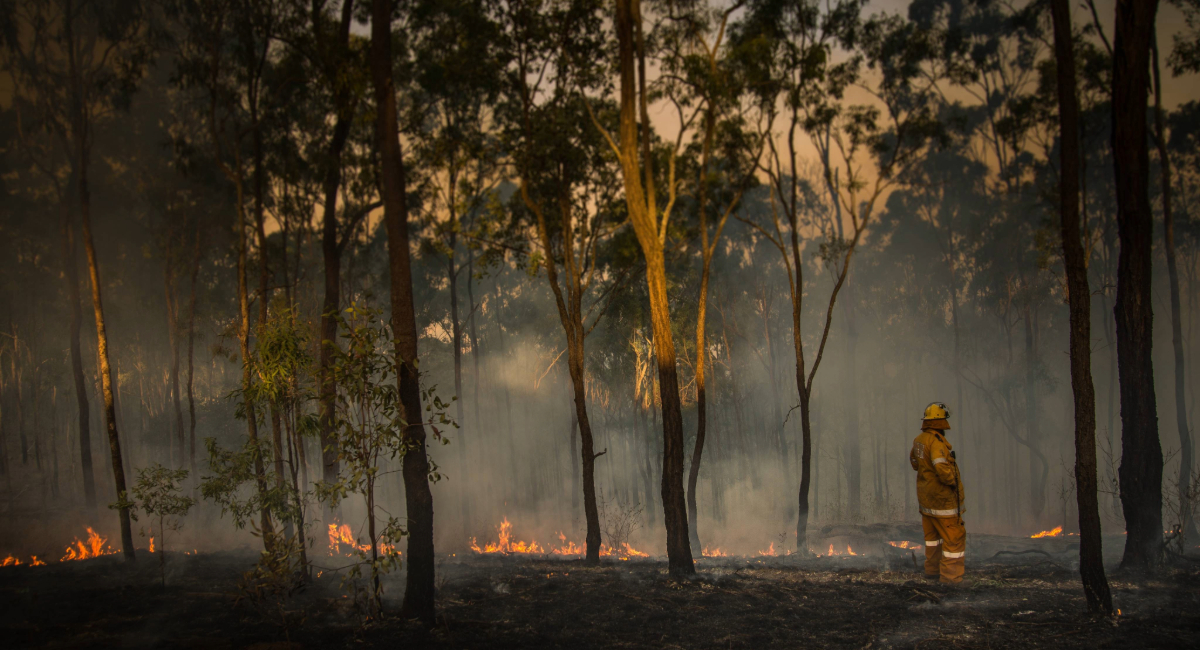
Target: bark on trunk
419	585
641	200
1141	453
1091	560
106	381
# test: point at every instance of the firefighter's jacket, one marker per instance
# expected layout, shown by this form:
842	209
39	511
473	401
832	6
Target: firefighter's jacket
939	486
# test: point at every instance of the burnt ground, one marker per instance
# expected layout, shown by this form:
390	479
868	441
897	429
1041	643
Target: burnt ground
1026	601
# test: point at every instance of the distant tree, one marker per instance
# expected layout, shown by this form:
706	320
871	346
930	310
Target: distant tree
82	62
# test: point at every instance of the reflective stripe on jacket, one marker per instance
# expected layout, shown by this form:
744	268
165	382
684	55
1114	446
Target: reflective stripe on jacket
939	488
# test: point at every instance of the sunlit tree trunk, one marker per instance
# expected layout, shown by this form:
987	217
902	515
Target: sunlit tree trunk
1141	452
1091	559
419	585
642	203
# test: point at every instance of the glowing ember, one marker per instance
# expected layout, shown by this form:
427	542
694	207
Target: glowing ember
1048	533
94	547
717	552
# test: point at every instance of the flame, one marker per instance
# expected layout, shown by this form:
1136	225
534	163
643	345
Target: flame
37	562
567	548
1048	533
95	547
11	561
850	551
152	543
770	552
507	544
717	552
906	544
342	535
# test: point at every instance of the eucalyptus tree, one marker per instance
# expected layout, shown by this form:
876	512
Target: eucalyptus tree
1091	559
222	50
1141	452
81	62
566	178
802	87
698	71
455	82
419	583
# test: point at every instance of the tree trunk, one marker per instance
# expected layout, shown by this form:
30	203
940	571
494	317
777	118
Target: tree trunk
106	382
1181	421
71	269
173	338
1038	467
853	447
1141	453
419	585
191	352
643	213
1091	559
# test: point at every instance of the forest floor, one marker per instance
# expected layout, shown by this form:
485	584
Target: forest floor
524	602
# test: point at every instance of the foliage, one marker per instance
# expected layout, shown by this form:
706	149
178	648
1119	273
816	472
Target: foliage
157	494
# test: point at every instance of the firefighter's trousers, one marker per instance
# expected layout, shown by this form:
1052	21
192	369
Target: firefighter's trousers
945	547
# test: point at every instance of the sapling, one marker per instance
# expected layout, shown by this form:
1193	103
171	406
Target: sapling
157	493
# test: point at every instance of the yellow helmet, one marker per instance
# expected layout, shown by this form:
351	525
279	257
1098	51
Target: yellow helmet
936	411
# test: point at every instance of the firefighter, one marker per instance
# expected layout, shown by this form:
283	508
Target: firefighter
940	495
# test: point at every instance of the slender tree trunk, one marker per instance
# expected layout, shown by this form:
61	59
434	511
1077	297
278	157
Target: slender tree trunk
106	381
191	351
331	250
1091	558
1181	421
853	446
1038	467
419	585
81	390
173	338
1141	453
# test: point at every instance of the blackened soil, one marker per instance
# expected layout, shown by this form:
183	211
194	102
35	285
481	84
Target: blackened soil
526	603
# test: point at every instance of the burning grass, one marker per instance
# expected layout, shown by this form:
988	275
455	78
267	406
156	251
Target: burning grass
526	601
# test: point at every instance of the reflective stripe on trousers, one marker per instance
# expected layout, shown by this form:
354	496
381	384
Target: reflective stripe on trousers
939	513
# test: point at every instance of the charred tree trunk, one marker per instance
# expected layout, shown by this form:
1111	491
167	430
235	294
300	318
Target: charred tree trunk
71	269
1181	419
853	447
1091	559
1141	453
419	585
